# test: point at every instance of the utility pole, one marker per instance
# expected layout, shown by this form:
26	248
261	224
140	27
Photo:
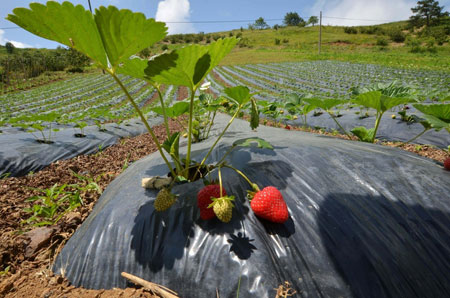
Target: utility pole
320	33
90	8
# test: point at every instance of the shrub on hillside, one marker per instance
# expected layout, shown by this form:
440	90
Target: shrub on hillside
350	30
397	35
382	42
414	44
277	41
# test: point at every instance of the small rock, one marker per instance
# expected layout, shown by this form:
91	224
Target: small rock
39	237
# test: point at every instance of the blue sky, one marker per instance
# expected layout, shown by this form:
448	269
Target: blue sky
364	12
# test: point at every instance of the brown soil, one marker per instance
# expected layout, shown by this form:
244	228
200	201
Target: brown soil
219	80
183	93
28	252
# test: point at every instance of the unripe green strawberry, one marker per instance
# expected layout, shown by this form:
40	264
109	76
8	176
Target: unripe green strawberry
164	199
223	208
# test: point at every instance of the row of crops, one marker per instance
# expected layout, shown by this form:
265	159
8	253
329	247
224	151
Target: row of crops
97	99
78	102
327	79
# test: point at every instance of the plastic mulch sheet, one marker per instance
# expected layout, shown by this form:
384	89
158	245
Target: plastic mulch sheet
389	129
20	153
365	221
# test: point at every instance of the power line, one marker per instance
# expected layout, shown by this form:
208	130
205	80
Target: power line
243	21
339	18
227	21
6	28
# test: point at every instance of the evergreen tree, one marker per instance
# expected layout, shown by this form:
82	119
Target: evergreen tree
9	47
427	11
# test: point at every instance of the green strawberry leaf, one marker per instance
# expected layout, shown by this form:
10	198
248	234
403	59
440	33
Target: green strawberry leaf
248	142
172	144
135	67
440	111
174	111
125	33
189	65
324	103
65	23
240	94
364	134
254	115
376	100
109	37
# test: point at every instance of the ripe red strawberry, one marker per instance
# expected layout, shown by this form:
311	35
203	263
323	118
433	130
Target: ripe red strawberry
287	127
269	204
204	200
447	164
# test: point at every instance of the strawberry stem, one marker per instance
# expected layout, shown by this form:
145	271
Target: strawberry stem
220	183
253	185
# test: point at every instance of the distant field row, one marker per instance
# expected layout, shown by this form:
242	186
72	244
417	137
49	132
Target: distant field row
324	78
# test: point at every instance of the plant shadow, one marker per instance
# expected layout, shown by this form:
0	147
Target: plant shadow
385	248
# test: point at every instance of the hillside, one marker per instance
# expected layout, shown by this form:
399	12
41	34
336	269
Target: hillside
300	44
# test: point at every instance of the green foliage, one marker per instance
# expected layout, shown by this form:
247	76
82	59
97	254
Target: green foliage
249	142
382	42
96	37
277	41
438	115
52	204
293	19
427	12
240	94
260	23
178	109
383	99
364	134
9	47
188	66
351	30
397	35
313	20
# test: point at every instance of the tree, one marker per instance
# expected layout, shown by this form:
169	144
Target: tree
313	20
260	23
9	47
428	11
292	19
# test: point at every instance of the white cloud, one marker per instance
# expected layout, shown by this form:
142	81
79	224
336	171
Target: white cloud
175	11
382	10
17	44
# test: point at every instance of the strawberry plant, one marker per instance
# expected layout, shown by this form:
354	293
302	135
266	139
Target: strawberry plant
327	104
99	38
41	123
381	101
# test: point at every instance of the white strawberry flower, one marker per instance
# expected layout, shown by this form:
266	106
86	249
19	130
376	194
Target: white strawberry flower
205	86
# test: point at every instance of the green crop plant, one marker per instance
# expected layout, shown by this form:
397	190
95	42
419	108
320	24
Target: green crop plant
52	204
436	116
36	123
381	98
327	104
96	36
381	103
111	38
295	105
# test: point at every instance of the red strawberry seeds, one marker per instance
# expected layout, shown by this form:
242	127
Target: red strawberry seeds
204	200
269	204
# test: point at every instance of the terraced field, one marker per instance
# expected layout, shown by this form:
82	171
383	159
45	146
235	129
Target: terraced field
88	98
328	79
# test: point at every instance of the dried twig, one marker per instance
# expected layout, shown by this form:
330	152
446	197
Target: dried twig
158	289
